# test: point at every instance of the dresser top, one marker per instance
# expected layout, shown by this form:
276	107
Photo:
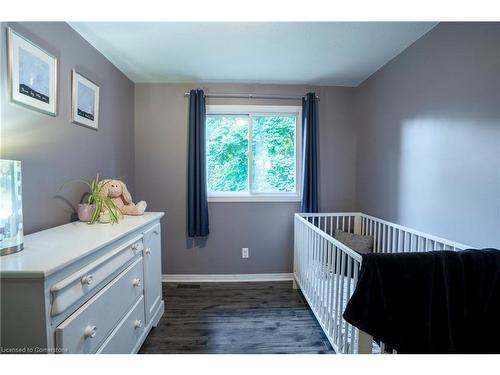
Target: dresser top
50	250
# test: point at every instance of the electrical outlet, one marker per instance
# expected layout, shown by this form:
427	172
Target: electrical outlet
244	252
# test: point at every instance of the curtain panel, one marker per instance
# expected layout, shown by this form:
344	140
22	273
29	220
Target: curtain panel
309	202
197	203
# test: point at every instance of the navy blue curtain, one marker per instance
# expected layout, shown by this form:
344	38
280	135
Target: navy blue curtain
309	201
197	215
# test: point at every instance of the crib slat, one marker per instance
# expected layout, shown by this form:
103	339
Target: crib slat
333	291
303	262
384	235
301	251
313	268
317	273
306	261
341	299
331	286
323	287
316	269
304	253
386	239
348	295
328	287
320	281
393	236
354	332
309	250
337	290
380	237
377	236
320	275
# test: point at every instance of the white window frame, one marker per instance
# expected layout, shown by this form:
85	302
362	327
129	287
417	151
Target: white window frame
257	110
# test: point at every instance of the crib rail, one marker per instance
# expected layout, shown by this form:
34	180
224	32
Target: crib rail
393	238
327	271
329	222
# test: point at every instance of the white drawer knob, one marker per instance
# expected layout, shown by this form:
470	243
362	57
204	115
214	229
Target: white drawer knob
87	280
89	331
148	251
136	282
138	324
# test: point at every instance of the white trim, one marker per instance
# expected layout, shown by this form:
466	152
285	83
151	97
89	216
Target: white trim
185	278
245	109
254	198
252	110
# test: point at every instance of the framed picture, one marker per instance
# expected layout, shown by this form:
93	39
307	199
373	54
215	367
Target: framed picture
84	102
32	74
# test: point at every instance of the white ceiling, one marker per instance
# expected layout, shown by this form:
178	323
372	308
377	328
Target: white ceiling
327	53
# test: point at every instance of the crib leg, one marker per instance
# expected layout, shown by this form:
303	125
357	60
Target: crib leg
295	285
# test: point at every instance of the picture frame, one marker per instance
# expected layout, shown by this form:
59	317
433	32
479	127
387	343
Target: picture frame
84	101
32	74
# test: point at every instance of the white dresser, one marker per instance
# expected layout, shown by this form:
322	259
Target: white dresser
81	288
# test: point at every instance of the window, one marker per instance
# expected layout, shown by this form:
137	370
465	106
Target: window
253	153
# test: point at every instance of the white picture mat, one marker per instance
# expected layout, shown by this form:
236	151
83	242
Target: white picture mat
78	78
16	41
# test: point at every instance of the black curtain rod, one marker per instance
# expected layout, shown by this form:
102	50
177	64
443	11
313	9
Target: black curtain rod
252	96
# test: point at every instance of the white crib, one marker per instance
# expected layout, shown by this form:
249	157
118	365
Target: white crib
327	271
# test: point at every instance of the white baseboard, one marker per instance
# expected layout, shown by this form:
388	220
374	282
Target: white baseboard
183	278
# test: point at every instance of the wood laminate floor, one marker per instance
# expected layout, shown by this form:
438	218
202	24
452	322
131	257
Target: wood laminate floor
264	317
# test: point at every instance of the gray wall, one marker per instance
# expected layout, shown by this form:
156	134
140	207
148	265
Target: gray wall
423	134
265	228
429	135
52	149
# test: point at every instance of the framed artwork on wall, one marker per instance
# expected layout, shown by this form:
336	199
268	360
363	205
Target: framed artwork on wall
32	74
84	102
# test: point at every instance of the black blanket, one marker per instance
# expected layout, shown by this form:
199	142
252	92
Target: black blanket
434	302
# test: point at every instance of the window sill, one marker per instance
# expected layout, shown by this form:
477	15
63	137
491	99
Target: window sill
254	198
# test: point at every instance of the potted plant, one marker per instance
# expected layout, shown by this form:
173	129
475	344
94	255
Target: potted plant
97	203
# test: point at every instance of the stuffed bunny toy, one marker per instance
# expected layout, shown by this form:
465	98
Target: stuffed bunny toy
117	191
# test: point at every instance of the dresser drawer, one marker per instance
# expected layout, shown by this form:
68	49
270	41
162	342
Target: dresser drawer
125	337
91	324
91	277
